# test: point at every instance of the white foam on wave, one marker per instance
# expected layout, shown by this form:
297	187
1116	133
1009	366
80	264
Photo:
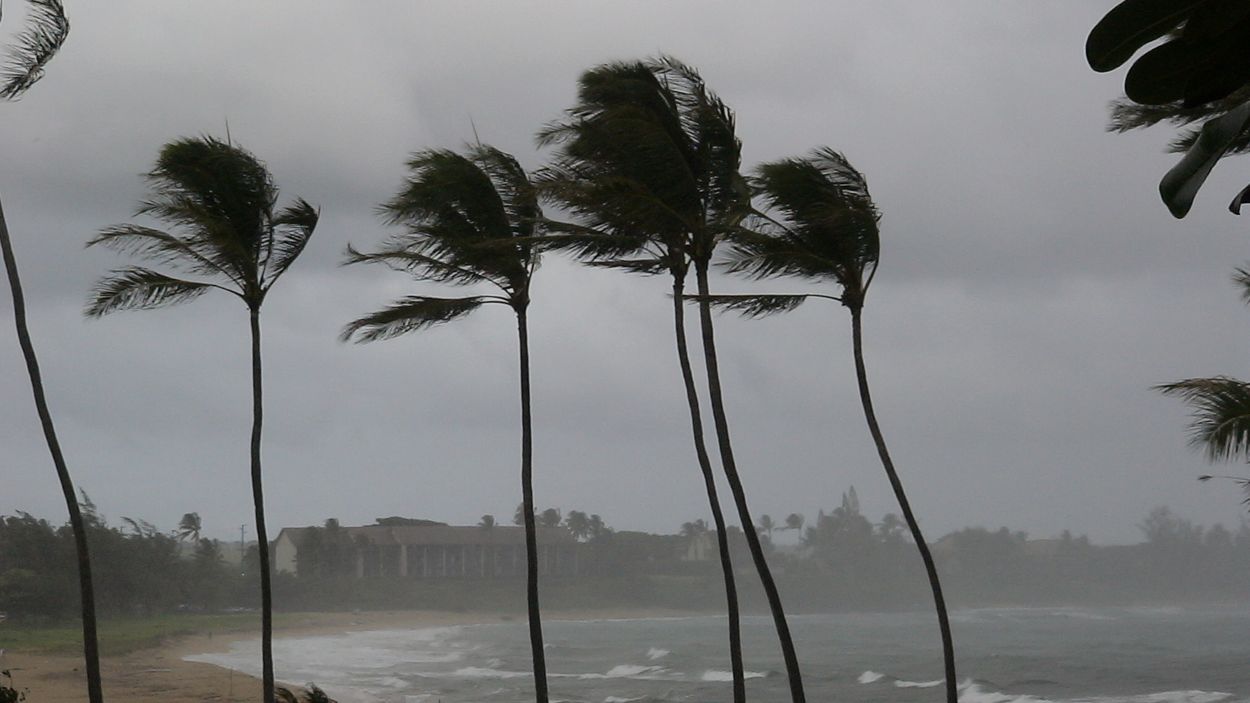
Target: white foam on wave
657	653
918	684
870	677
481	672
971	692
714	675
623	671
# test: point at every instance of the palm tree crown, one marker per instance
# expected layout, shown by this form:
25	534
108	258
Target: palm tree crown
648	156
827	229
468	219
221	202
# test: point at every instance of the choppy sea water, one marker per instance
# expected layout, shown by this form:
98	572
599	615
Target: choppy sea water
1013	655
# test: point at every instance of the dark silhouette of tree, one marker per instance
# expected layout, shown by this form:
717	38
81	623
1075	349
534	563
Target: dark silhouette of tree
794	521
550	517
825	228
487	522
693	528
766	525
1220	406
189	527
518	515
578	523
1197	73
227	233
469	219
25	61
648	162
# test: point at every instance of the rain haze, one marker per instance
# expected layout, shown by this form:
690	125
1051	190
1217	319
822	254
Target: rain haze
1032	286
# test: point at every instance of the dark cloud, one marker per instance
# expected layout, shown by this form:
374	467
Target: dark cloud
1032	287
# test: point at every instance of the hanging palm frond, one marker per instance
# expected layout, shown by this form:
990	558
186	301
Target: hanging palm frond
46	30
1220	423
138	288
753	305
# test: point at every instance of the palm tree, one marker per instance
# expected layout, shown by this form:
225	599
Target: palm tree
45	33
767	525
794	521
189	527
578	523
470	219
827	231
227	234
648	161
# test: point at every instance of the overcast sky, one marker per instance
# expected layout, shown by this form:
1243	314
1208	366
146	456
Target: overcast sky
1032	286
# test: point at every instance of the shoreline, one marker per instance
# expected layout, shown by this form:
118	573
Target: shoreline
161	673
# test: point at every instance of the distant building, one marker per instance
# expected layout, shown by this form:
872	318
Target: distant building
427	551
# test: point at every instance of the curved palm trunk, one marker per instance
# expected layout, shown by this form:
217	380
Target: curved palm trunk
735	485
527	502
948	647
90	642
262	535
709	482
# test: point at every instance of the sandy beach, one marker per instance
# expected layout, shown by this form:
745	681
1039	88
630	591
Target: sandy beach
160	674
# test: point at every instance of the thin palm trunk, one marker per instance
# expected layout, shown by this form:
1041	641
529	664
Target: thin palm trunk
948	647
262	535
709	482
735	485
90	642
527	503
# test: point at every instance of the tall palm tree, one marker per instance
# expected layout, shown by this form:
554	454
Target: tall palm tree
827	230
227	234
45	33
648	161
469	219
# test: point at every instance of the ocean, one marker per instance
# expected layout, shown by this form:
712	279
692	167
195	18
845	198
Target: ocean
1004	655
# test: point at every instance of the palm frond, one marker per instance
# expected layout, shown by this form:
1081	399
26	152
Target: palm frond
46	30
137	288
155	245
1220	407
752	305
399	257
292	228
410	314
647	267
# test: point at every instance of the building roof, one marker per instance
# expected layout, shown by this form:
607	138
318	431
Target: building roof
443	534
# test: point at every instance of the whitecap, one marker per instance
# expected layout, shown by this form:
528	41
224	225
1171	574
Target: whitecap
714	675
870	677
918	684
480	672
657	653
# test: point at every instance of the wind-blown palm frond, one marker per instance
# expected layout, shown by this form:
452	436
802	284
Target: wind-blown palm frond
410	314
46	30
753	305
647	267
473	213
292	229
138	288
218	199
1220	424
162	247
827	226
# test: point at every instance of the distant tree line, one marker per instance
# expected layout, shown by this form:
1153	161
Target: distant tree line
842	561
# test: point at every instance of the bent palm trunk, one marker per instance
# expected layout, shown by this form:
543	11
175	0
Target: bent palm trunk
90	643
709	482
531	533
948	647
735	485
262	535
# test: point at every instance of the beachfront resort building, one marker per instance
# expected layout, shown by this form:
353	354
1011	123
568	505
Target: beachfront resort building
426	550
